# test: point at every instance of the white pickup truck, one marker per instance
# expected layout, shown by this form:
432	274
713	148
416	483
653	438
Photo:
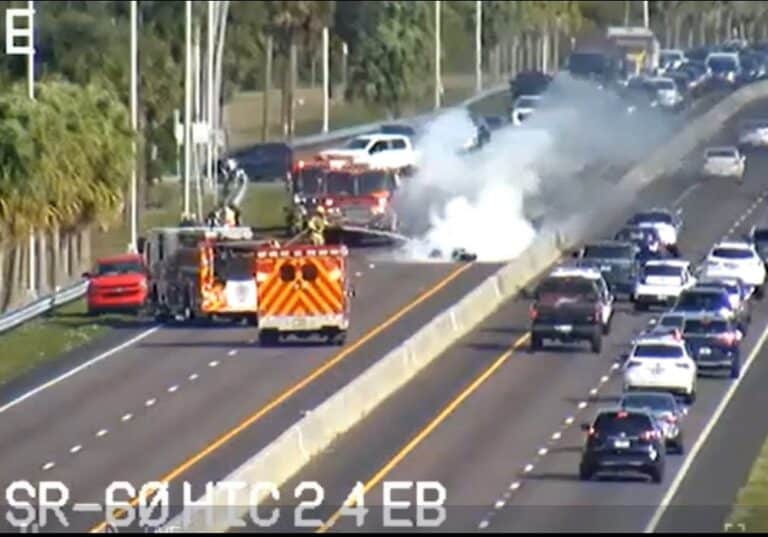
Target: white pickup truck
391	151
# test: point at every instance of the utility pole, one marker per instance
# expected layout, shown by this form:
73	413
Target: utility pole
326	78
187	104
646	14
209	106
265	130
197	123
31	91
438	55
133	247
478	46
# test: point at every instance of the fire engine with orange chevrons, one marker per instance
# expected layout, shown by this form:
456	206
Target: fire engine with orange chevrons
303	291
202	273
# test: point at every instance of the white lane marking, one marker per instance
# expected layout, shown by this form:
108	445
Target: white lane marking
515	485
483	524
542	452
173	388
76	370
213	363
193	376
232	352
651	527
569	420
75	449
687	192
557	435
149	402
499	504
528	468
126	417
102	432
582	405
604	379
48	465
593	392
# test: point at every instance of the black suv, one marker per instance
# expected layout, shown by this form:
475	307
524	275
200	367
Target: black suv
714	343
618	261
623	441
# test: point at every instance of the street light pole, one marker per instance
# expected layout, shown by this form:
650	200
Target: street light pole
31	92
134	124
646	14
326	78
438	55
478	46
209	93
187	104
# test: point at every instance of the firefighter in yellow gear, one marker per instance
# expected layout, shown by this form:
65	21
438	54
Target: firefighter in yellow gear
317	225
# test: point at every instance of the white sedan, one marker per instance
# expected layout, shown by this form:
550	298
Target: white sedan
736	259
661	281
661	363
724	162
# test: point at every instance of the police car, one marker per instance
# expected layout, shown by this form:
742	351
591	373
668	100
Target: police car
661	281
736	259
661	363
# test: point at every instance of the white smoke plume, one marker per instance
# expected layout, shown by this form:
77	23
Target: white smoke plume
486	201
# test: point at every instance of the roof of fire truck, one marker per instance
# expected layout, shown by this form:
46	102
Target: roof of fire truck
210	233
339	165
301	250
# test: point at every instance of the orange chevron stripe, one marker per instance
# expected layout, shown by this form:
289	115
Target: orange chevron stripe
314	302
277	306
330	293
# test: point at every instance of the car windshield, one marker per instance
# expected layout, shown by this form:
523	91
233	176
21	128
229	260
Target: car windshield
662	270
702	301
720	64
310	181
358	143
614	423
370	182
340	184
705	326
721	153
657	350
732	253
527	102
760	235
655	217
566	286
672	321
653	401
110	268
600	251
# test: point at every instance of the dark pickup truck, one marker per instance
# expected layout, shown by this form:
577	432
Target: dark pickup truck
571	308
618	261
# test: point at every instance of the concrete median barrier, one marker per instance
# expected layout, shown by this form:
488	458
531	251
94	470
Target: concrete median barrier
315	432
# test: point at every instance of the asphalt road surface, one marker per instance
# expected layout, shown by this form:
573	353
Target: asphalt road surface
189	404
498	428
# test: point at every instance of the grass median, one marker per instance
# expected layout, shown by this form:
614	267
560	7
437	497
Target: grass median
750	513
67	328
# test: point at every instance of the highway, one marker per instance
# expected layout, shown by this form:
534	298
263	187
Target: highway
498	427
190	403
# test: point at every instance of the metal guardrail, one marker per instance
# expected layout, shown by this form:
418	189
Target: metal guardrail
14	318
20	315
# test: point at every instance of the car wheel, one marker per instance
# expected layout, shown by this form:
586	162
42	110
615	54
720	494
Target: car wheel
268	338
657	474
735	369
585	472
597	343
690	398
759	293
679	445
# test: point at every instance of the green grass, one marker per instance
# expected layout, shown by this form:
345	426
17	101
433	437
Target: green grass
750	513
46	338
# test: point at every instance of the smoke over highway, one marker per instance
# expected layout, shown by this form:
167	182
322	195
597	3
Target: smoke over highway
491	201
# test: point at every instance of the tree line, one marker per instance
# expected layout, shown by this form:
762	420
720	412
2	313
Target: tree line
65	157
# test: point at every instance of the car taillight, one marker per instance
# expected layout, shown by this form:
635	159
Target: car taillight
533	312
729	339
650	435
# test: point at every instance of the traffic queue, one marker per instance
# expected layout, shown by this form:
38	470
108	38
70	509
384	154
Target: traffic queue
705	312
